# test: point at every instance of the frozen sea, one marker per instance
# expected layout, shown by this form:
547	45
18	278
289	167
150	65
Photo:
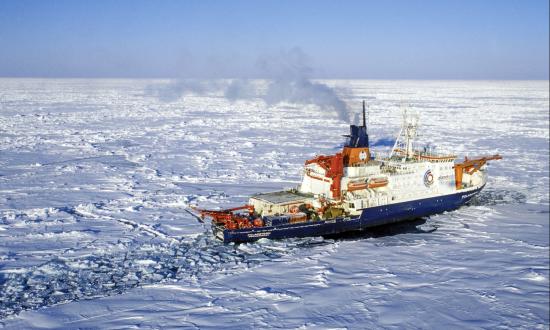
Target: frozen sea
96	177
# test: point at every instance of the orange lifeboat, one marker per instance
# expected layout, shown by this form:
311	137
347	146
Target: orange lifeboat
377	182
371	183
353	186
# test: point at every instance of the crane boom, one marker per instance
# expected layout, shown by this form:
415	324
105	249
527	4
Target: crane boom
470	166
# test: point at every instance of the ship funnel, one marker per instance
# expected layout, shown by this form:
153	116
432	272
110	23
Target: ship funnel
358	137
356	149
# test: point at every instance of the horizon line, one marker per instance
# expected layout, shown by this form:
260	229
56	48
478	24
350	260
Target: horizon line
266	78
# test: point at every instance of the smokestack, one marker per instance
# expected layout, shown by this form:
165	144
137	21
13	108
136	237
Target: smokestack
364	118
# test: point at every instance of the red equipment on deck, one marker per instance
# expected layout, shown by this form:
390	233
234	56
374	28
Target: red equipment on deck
231	219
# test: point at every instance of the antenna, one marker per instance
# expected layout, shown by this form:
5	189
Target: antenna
364	118
404	144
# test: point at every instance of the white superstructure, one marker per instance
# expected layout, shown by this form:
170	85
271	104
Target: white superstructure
351	181
406	174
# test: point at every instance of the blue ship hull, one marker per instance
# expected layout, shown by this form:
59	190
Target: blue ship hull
370	217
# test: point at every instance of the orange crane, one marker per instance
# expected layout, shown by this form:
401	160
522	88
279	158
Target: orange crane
470	166
334	167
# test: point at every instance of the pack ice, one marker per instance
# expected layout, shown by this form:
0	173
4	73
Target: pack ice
96	177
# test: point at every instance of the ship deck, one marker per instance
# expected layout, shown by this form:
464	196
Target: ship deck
282	197
370	217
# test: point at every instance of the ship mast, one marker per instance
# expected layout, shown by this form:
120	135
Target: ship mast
404	144
364	116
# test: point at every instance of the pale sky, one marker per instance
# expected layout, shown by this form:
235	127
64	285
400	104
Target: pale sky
395	39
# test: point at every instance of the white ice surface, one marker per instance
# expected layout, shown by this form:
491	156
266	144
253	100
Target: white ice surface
95	176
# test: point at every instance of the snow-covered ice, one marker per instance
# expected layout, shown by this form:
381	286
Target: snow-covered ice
96	175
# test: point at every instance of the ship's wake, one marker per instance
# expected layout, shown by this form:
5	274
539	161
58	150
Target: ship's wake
62	280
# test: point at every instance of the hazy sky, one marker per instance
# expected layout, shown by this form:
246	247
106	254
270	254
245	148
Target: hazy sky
443	39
